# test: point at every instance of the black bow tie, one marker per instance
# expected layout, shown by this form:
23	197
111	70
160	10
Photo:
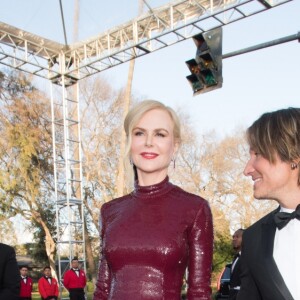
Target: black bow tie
75	269
282	218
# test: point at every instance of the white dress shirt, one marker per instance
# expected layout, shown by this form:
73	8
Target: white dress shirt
232	267
24	279
235	261
286	254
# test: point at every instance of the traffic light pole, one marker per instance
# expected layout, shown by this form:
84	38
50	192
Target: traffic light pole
286	39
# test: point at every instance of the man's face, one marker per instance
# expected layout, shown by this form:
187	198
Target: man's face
47	272
24	271
75	264
237	240
271	180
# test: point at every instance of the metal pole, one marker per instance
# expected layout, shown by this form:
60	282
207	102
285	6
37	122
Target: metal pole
264	45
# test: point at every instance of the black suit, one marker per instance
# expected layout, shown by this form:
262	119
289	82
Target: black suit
9	274
235	279
260	277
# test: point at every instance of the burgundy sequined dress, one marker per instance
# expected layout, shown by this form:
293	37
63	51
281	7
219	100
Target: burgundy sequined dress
149	237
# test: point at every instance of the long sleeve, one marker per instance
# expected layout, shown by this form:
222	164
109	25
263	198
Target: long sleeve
10	283
248	289
42	290
103	280
67	280
149	238
200	255
31	285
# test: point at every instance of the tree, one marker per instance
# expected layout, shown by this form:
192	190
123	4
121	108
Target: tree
7	231
100	151
100	143
26	178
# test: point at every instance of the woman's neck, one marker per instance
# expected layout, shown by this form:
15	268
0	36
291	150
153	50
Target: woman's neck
151	179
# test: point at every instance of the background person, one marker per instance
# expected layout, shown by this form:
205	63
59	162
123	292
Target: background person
75	281
235	280
270	260
9	274
48	287
152	235
26	284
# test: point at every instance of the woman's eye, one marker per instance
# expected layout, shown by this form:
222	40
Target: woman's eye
160	134
138	133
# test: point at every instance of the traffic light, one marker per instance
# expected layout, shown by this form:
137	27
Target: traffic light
206	68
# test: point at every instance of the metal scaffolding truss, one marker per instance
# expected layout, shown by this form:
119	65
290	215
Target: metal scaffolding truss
152	31
67	177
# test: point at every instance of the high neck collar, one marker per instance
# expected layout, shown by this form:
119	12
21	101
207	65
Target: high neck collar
152	191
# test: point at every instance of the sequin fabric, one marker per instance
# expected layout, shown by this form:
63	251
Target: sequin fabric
149	238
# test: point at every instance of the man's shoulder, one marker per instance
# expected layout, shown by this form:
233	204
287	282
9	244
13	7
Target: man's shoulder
267	219
68	272
6	248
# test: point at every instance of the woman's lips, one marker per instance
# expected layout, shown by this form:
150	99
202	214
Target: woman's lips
149	155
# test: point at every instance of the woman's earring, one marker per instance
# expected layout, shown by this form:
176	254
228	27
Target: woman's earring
173	160
294	166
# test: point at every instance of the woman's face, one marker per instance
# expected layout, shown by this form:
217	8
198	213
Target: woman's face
153	146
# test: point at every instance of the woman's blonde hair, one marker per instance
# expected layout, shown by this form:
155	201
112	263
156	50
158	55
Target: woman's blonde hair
137	112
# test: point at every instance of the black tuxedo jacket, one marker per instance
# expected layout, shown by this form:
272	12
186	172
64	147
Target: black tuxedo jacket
9	274
260	277
235	279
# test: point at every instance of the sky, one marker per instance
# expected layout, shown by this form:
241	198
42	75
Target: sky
253	83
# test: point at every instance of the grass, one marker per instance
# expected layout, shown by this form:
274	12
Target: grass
37	296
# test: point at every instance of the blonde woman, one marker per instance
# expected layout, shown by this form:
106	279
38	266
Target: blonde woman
152	235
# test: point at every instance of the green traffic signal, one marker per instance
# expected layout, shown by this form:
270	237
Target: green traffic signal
206	68
209	77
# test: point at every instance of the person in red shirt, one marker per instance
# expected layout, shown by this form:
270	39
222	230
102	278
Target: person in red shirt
75	281
48	286
26	284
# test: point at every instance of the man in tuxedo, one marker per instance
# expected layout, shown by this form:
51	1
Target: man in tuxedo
75	281
9	274
270	260
48	286
235	280
26	284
